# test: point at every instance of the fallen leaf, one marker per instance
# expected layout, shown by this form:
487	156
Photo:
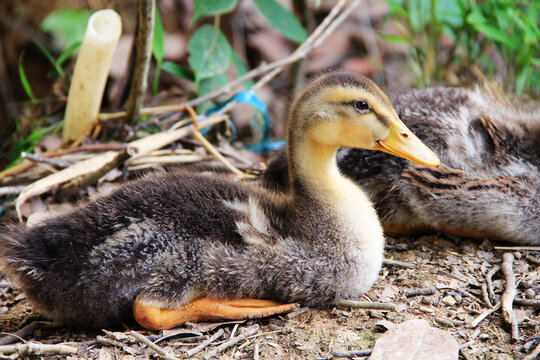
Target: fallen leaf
415	339
166	334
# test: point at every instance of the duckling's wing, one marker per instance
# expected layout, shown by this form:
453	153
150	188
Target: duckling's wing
498	207
106	251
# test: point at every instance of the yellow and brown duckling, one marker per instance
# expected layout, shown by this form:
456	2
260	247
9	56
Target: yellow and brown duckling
488	184
181	246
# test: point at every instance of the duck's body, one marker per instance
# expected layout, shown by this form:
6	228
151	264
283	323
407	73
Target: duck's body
171	244
488	184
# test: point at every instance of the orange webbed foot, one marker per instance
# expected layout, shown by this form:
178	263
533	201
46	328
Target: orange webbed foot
154	317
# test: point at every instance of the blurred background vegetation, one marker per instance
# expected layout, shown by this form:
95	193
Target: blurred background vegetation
200	45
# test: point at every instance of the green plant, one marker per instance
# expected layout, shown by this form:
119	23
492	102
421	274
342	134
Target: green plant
482	33
210	54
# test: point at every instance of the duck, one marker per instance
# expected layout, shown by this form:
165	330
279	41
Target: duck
487	185
182	246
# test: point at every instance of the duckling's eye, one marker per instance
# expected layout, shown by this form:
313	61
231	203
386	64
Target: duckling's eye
361	105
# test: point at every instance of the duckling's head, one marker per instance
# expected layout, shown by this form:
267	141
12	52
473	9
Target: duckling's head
345	109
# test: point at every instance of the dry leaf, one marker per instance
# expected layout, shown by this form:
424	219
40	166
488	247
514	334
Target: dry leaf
415	340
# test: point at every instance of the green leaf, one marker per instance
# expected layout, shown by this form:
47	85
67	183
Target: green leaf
206	86
68	52
155	83
393	38
476	18
24	80
158	42
450	12
535	61
211	7
396	9
241	69
496	35
521	80
67	25
209	52
177	71
49	57
282	20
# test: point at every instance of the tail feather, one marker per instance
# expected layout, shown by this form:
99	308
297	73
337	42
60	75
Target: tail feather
17	259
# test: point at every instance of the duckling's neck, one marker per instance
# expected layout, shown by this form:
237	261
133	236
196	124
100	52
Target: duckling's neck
314	170
315	175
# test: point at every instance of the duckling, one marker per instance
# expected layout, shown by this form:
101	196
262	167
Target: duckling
488	183
182	246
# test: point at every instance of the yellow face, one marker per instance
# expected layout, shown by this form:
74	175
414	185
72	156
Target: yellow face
363	118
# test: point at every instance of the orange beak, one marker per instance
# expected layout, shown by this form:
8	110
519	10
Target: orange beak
403	143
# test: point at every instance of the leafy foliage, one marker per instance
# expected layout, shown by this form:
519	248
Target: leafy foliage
210	54
203	8
483	33
67	25
24	80
282	20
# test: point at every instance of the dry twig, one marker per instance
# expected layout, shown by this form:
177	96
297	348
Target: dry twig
534	354
11	190
517	248
532	259
46	160
252	330
34	348
366	305
489	282
399	264
143	339
298	312
509	294
22	333
485	295
527	302
205	343
426	291
483	315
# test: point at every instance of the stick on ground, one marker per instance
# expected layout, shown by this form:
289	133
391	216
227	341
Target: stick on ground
35	348
205	343
366	305
252	330
509	294
143	339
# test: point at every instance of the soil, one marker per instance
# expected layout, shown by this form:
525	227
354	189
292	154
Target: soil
456	267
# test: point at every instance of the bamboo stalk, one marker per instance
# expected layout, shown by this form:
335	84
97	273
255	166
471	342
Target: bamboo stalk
90	73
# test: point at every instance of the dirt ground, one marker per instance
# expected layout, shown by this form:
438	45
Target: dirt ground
456	267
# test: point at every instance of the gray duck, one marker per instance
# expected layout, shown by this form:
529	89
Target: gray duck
488	183
183	246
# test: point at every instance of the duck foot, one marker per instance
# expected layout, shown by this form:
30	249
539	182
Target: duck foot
154	317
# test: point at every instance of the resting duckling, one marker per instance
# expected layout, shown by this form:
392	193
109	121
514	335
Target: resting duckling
180	246
488	184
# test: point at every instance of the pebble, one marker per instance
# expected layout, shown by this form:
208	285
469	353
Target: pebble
448	300
529	294
517	255
427	300
483	336
458	298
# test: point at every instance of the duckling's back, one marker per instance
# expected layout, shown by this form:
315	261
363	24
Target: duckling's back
85	268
